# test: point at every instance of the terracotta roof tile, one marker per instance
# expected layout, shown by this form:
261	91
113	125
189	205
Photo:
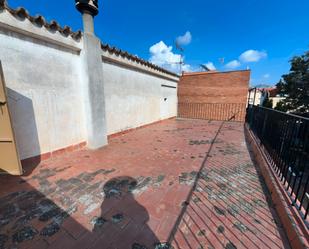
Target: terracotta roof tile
53	26
134	58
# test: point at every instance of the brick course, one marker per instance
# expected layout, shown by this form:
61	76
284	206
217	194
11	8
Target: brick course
213	95
131	193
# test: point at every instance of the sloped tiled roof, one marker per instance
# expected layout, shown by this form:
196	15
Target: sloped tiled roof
134	58
40	21
273	92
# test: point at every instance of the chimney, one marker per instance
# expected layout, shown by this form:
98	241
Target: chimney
93	82
89	9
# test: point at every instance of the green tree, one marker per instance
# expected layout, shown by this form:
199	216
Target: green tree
268	103
281	106
295	86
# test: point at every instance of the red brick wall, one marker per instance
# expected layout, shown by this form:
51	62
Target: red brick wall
213	95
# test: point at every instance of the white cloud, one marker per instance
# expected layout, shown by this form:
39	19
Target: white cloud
184	40
233	64
163	56
252	56
210	66
246	57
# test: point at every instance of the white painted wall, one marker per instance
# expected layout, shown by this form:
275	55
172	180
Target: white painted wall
134	98
46	78
44	93
169	100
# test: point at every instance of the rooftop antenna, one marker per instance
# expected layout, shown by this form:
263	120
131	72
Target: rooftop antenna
181	50
222	60
205	67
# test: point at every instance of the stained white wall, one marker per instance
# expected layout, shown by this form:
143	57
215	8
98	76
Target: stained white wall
134	98
46	80
169	100
44	93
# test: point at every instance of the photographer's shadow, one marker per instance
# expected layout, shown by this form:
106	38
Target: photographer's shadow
123	218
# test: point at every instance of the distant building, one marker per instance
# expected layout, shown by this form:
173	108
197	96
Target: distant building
259	95
256	96
274	95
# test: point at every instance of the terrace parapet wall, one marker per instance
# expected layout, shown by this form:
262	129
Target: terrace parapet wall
47	76
36	27
214	95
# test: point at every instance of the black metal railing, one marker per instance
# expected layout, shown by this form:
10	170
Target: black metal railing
285	138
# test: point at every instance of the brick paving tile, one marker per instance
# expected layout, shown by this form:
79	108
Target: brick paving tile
132	193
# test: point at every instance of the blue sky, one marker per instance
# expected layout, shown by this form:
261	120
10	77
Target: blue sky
259	34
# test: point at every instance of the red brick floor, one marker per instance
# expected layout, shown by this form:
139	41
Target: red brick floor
133	192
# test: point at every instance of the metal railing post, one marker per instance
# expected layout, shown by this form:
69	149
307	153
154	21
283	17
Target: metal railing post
284	137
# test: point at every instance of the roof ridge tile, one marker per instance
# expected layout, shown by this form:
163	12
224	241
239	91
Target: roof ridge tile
125	54
54	26
40	21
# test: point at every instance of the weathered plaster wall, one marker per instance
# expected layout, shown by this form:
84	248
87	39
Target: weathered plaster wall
47	76
169	100
43	78
135	98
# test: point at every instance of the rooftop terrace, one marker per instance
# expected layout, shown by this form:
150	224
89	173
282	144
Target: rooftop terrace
142	191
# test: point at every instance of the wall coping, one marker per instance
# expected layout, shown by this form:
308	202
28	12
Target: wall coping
134	58
213	72
138	65
19	21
